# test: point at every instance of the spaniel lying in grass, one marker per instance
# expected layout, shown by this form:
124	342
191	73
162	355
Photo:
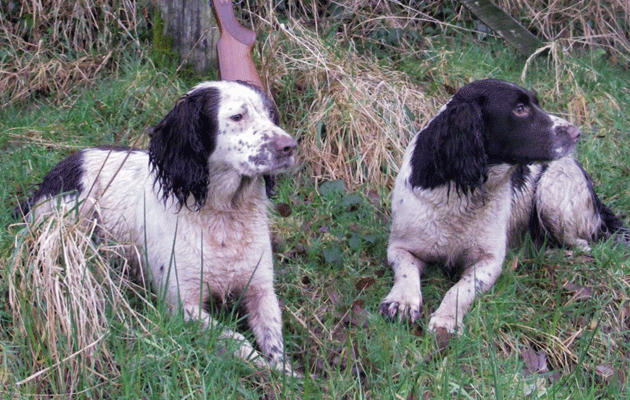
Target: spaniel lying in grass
195	203
488	167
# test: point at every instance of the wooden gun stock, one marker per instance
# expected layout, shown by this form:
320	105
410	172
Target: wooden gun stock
235	46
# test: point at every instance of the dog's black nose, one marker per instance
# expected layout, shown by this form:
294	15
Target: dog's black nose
573	132
284	145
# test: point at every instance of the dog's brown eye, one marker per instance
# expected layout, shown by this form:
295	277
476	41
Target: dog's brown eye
236	117
521	110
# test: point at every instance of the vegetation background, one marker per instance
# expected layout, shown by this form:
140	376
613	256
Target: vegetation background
354	80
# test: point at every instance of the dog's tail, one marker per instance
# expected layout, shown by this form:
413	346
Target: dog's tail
612	224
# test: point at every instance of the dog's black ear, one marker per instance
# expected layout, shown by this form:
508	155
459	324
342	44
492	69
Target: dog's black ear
451	148
181	144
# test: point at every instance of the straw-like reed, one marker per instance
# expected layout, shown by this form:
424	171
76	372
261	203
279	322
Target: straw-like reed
64	295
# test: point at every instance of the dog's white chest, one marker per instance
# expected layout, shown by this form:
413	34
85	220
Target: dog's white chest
440	226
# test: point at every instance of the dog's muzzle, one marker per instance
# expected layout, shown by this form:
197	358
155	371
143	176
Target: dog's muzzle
566	135
569	130
276	155
284	146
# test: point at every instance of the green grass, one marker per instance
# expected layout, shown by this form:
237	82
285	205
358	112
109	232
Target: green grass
331	272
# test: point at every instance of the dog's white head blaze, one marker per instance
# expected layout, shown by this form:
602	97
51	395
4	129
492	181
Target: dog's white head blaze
218	125
248	139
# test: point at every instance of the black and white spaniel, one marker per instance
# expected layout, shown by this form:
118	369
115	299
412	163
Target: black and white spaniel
195	203
488	167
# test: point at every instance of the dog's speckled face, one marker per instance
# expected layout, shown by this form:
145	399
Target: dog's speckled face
247	137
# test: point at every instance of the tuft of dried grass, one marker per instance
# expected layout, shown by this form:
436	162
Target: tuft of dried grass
577	24
51	46
62	293
45	72
361	115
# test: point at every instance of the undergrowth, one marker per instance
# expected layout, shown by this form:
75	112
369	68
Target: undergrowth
353	82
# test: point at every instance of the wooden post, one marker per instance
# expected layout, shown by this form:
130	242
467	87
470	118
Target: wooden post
503	24
191	25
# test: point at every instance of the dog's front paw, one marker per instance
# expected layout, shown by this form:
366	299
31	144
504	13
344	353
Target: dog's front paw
446	321
284	367
406	307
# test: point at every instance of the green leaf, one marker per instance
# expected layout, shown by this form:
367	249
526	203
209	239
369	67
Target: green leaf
333	255
330	187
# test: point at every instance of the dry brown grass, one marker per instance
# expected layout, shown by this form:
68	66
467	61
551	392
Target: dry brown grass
53	46
62	293
360	113
45	73
577	24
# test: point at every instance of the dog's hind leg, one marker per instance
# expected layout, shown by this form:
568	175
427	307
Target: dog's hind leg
405	298
569	210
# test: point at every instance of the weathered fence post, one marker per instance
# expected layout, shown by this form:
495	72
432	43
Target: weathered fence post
194	31
502	23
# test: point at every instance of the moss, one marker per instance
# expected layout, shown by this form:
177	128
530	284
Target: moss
162	52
